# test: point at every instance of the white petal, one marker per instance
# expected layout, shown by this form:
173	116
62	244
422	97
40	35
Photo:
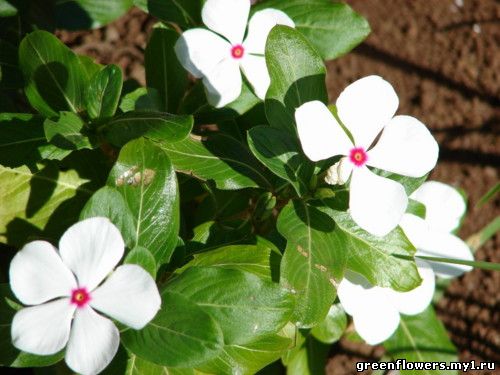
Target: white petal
416	300
227	17
129	295
320	134
377	204
93	342
444	205
446	245
405	147
43	329
339	173
255	70
91	249
223	83
416	229
200	50
259	27
37	274
353	291
376	323
365	107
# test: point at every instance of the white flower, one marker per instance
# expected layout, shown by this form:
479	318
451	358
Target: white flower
376	311
64	289
217	55
433	236
406	147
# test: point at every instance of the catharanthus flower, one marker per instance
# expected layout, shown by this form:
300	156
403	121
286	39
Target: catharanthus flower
376	311
405	146
433	235
217	55
64	290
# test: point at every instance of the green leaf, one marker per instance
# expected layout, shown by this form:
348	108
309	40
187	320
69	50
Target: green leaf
21	139
281	153
416	208
332	28
10	75
139	366
422	338
308	357
45	201
377	258
108	202
157	126
184	13
181	335
146	179
313	262
9	355
66	135
409	183
297	76
219	158
332	328
257	260
141	99
142	257
248	308
7	9
89	66
163	70
55	78
489	195
89	14
248	359
103	93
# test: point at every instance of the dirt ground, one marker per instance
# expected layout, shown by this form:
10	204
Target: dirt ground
443	58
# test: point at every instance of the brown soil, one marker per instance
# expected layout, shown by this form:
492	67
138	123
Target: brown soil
443	58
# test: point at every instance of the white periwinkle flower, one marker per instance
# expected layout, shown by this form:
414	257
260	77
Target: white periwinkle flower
406	147
433	235
217	55
376	311
64	290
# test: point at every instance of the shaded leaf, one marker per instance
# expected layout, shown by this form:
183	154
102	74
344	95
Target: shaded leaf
184	13
142	257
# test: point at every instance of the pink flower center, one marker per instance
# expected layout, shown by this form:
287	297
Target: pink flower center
80	297
358	156
237	51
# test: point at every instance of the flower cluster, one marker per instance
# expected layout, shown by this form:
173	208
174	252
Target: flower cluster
218	55
65	288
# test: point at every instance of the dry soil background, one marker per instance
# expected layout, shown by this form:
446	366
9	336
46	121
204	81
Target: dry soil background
443	58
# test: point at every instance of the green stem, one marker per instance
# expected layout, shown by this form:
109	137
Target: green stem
482	265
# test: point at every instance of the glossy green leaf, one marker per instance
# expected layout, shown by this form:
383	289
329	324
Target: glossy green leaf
21	139
297	76
308	357
248	308
45	201
332	28
409	183
181	335
248	359
416	208
219	158
146	179
7	9
313	262
184	13
377	258
163	70
90	66
89	14
141	99
9	355
66	135
108	202
422	338
282	154
55	78
103	93
142	257
157	126
139	366
332	328
249	258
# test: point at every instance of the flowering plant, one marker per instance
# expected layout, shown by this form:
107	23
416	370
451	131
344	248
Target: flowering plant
255	220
